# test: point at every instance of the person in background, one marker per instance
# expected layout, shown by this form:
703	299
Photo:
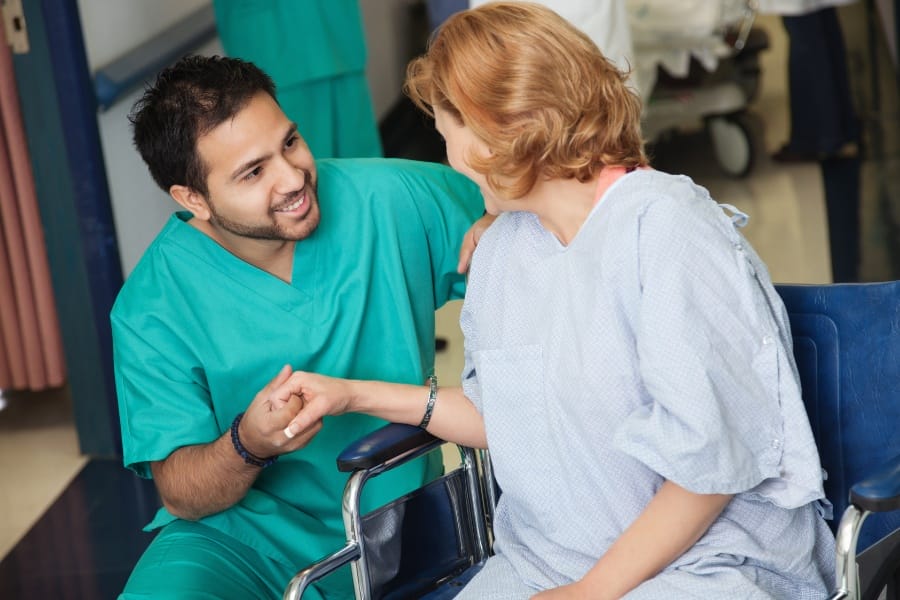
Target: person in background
823	118
824	125
628	361
316	54
276	262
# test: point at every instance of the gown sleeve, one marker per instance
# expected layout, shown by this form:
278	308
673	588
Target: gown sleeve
724	412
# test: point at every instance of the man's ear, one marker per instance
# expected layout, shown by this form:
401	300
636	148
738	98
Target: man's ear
191	200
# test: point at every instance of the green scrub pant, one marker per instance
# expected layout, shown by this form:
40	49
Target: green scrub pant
191	561
334	116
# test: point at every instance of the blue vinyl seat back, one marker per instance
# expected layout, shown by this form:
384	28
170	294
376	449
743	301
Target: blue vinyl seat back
847	348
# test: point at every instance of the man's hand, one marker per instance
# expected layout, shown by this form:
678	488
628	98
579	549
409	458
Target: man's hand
470	240
262	428
199	480
322	396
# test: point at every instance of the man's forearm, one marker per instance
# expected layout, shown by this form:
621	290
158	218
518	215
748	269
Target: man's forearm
196	481
199	480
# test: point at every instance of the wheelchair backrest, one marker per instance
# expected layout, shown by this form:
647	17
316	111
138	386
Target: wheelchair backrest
847	349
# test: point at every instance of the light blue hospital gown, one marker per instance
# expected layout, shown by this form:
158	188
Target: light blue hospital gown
652	346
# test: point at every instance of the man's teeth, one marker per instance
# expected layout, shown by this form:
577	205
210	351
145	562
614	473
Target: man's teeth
293	206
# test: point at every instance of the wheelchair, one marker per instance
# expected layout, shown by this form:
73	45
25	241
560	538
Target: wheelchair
429	543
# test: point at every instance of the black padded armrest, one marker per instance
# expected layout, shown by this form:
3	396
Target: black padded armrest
881	491
381	445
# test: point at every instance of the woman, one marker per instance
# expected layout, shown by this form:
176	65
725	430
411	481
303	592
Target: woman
628	361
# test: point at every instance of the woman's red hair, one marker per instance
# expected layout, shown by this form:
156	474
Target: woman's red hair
535	89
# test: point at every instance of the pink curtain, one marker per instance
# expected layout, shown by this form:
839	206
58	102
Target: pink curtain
31	355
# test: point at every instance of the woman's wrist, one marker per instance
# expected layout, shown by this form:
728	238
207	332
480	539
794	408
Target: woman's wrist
357	396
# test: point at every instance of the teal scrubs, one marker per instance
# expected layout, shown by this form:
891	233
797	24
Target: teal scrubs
316	53
197	333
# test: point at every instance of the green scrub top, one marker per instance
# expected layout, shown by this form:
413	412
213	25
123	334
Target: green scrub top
197	333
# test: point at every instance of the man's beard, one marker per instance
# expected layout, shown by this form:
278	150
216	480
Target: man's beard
273	230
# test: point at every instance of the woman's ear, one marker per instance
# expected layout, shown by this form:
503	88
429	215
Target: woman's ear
191	200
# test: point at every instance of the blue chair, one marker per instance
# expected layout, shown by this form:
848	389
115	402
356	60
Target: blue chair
847	348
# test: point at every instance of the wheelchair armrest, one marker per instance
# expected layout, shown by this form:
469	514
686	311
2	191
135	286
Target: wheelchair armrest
385	443
320	569
881	491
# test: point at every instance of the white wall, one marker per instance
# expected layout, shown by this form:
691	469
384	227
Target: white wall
385	23
113	27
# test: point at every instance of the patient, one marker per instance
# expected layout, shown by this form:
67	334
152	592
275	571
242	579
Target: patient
628	361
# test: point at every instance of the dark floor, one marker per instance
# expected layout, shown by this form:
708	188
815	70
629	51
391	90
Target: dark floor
85	545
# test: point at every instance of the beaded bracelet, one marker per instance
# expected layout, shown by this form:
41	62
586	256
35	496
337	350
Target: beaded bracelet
250	459
432	397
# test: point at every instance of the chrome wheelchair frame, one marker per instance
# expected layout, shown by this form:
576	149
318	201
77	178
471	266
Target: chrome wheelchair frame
459	491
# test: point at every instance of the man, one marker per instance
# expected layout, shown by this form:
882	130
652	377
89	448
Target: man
276	263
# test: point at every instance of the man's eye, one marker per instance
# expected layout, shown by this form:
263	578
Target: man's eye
253	174
291	141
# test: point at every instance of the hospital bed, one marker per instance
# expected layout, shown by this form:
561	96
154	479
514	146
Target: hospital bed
847	347
700	59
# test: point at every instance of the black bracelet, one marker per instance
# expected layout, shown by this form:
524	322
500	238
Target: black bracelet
250	459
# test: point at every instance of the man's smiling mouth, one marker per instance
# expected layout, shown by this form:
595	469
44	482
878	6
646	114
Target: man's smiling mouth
301	198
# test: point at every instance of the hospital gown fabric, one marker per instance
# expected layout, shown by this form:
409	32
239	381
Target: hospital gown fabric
652	346
198	332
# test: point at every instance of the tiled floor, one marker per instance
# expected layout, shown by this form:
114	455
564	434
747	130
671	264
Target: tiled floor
38	457
94	527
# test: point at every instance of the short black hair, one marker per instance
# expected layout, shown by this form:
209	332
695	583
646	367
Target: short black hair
187	100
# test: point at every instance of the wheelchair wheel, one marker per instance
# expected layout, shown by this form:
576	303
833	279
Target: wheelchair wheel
732	143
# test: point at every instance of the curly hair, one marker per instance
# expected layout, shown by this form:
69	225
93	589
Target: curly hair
187	100
535	89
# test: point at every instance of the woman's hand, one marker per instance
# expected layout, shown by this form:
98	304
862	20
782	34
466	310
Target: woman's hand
270	412
321	396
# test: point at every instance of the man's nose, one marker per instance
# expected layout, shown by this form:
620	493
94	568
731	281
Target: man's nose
290	177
